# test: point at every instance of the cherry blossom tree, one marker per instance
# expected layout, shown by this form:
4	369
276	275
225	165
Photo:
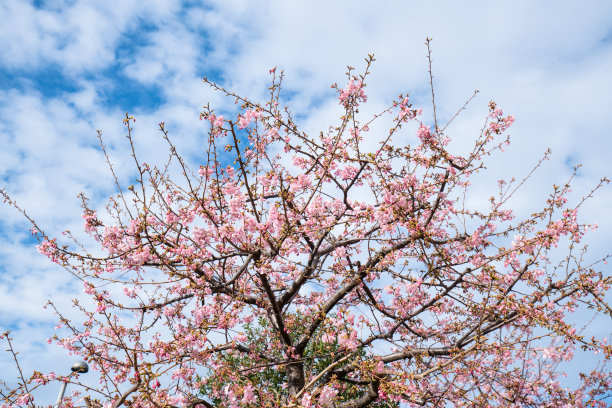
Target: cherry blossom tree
343	269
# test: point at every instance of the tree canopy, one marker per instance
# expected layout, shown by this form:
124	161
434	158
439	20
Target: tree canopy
343	269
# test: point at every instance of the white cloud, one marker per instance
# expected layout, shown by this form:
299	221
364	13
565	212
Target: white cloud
77	36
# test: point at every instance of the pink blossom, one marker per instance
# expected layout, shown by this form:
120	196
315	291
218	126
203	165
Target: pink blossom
91	221
205	171
219	120
248	116
349	341
307	400
273	133
23	400
249	396
49	248
353	92
179	399
424	133
327	394
301	182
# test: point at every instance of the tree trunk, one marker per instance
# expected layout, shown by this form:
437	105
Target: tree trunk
295	377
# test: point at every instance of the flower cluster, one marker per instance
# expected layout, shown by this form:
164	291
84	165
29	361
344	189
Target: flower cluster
247	117
353	93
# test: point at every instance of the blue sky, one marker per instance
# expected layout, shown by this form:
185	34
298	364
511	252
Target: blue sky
71	67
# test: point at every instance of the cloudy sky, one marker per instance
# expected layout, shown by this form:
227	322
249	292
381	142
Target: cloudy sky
70	67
